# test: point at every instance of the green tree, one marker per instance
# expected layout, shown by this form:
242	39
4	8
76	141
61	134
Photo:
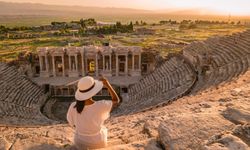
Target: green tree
81	31
130	26
3	29
137	23
82	23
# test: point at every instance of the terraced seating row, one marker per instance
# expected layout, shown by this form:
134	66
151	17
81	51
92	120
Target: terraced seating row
19	97
170	80
216	60
230	58
152	78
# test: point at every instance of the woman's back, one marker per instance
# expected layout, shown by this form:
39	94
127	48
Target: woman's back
91	119
88	116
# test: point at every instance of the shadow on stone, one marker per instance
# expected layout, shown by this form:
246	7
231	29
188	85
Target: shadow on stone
52	147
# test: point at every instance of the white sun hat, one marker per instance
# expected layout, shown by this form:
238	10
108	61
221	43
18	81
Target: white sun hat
87	87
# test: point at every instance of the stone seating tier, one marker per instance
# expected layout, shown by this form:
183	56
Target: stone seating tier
172	77
19	97
230	58
176	77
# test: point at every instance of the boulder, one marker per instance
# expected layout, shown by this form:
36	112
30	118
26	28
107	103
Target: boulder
237	115
236	92
191	130
227	142
243	131
216	146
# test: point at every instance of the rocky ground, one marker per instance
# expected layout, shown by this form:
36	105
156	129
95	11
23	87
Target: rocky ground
215	119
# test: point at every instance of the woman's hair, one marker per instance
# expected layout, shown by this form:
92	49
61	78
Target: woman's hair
79	106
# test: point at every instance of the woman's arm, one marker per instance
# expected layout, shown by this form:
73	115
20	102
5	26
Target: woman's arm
69	117
115	98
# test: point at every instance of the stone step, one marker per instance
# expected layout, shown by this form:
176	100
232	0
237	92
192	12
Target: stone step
19	96
222	57
173	83
235	48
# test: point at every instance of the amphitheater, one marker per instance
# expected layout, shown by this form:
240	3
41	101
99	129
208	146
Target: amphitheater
196	99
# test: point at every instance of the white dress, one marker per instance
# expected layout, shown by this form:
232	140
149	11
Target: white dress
89	129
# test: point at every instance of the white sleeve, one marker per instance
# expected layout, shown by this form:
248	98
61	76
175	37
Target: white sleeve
106	107
69	116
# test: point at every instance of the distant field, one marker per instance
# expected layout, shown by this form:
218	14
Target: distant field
12	21
167	39
31	14
37	20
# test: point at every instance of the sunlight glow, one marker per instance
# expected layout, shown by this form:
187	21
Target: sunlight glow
239	7
225	7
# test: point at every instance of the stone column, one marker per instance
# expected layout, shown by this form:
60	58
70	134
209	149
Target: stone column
126	64
63	67
70	69
110	62
61	91
47	63
55	91
96	65
50	90
133	62
140	61
76	62
54	66
40	63
86	62
103	63
117	66
83	66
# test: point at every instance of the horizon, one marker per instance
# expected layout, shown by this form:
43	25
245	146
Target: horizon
223	7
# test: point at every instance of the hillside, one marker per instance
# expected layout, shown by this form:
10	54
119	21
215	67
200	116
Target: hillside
57	10
17	14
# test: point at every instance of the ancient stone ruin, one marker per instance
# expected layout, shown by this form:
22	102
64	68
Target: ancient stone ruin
171	80
200	66
59	67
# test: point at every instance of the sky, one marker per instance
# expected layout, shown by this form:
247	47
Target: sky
232	7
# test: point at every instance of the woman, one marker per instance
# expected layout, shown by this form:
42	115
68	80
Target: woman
88	116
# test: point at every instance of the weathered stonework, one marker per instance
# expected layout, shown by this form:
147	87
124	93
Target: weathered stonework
64	65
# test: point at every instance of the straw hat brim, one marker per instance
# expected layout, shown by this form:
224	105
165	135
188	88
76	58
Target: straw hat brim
80	96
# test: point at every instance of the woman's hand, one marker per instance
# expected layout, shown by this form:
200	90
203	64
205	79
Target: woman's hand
104	81
113	94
